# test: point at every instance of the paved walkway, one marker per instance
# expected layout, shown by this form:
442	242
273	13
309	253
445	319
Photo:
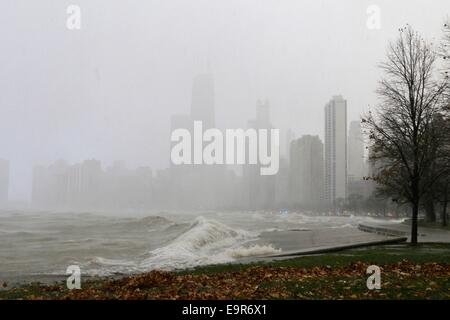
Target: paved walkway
424	234
307	242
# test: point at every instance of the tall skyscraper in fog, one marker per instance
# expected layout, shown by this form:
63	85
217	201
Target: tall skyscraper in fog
202	103
336	150
262	115
355	151
261	189
306	171
50	185
4	180
290	136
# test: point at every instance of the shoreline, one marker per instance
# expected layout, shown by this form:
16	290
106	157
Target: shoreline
292	243
409	272
377	235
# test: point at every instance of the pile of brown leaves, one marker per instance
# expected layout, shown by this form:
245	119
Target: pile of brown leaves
400	280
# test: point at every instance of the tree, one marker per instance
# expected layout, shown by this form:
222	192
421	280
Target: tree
445	49
438	192
402	131
443	184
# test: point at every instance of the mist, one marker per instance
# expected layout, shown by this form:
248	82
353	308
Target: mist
108	91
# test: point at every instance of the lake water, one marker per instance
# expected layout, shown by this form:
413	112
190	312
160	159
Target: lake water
46	243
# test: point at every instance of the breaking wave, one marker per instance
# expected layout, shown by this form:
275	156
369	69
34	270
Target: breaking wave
205	242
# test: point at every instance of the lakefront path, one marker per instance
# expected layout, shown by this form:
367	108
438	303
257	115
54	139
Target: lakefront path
425	235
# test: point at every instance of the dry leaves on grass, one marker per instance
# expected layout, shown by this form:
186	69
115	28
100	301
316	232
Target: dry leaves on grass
262	282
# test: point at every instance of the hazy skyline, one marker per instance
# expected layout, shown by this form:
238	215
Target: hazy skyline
108	90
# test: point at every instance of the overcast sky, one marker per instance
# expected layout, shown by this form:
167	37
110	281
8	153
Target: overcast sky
107	91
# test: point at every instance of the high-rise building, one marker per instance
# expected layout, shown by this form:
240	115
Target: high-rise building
202	101
50	185
306	171
263	115
335	150
4	180
355	151
282	184
290	136
261	189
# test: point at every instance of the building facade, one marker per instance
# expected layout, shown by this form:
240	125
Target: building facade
306	172
335	150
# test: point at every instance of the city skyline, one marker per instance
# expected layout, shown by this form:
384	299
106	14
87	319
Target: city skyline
215	150
84	184
77	94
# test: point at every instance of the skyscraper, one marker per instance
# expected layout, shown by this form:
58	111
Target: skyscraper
4	180
261	189
355	151
290	136
306	171
202	109
50	185
335	150
262	115
202	101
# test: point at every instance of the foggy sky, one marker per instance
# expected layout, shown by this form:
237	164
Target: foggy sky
108	91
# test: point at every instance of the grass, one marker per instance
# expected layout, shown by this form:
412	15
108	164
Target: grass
420	253
408	272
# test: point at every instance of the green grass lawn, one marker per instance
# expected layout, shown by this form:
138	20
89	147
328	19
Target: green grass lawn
420	253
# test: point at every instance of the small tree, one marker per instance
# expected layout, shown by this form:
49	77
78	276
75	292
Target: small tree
402	131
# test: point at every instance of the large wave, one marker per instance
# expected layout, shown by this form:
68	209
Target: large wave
205	242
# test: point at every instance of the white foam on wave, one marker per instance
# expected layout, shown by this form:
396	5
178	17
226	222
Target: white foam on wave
205	242
113	262
251	251
347	225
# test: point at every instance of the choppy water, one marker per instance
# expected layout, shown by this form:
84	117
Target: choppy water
47	243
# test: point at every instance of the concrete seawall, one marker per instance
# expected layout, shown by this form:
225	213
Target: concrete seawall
382	230
330	249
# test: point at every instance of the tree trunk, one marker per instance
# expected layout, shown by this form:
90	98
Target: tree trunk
444	214
444	211
415	215
444	206
430	212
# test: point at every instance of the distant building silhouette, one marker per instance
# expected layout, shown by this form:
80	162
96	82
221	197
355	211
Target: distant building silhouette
290	136
355	151
306	172
335	150
87	186
261	189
